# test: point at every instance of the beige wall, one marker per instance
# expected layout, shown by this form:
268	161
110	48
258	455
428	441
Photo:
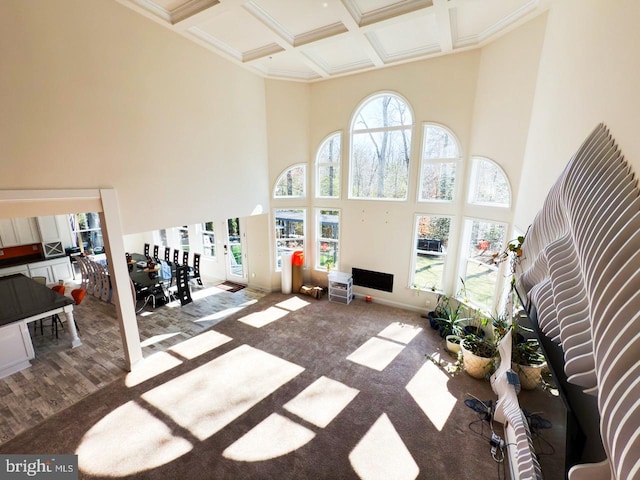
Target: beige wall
589	73
95	95
504	98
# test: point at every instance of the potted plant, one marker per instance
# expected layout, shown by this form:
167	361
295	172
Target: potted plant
527	361
479	355
453	343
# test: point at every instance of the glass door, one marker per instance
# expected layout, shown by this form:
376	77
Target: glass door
234	251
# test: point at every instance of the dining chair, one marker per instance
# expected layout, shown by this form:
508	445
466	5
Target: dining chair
156	252
146	249
182	282
176	257
167	254
185	258
78	295
195	272
55	318
41	280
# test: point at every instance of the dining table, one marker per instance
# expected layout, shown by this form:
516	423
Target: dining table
22	301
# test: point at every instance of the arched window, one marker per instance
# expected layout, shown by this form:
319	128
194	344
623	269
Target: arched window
380	148
439	161
292	182
328	161
489	184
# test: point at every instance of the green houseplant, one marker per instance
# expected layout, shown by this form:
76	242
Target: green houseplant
479	355
527	361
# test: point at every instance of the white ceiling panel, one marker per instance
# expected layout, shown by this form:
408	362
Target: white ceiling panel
339	56
310	40
413	37
225	28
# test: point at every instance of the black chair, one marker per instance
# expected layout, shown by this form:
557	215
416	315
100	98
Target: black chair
182	282
176	257
146	250
195	272
167	254
156	253
185	258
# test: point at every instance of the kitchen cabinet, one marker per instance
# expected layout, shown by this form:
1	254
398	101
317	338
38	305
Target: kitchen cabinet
18	231
48	227
53	270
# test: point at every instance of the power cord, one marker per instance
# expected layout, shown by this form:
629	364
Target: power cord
484	409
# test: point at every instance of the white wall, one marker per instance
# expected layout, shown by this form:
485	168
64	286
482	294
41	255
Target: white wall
95	95
589	73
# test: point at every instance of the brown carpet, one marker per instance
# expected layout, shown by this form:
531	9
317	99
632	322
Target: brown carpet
291	388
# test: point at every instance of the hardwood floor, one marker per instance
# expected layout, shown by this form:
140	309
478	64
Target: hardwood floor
61	376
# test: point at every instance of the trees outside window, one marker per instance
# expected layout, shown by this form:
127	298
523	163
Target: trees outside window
86	231
482	240
380	149
440	158
431	243
289	231
328	238
328	161
489	185
292	182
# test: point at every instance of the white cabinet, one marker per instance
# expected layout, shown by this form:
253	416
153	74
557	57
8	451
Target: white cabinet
48	227
18	231
340	287
23	269
53	270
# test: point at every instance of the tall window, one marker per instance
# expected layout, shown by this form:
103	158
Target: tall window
482	239
380	148
328	236
328	167
183	236
87	231
208	240
292	183
290	232
440	156
430	251
163	236
489	184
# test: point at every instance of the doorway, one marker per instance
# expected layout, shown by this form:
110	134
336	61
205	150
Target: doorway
234	250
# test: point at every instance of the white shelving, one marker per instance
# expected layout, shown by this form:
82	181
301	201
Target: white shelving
340	287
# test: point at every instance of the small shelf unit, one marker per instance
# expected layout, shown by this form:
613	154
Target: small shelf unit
340	287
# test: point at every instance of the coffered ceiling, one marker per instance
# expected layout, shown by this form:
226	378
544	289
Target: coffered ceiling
311	40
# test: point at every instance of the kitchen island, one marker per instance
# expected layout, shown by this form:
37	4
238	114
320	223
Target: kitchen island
23	300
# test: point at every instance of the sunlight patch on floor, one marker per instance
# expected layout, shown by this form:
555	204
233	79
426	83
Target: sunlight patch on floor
151	366
221	315
292	304
321	401
376	353
273	437
197	294
400	332
428	387
158	338
381	454
126	441
200	344
265	317
213	395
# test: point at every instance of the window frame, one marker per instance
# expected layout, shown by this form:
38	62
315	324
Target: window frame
204	233
278	265
473	183
456	161
414	256
464	259
319	239
282	175
336	165
352	131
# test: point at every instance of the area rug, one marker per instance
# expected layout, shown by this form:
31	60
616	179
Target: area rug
230	286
